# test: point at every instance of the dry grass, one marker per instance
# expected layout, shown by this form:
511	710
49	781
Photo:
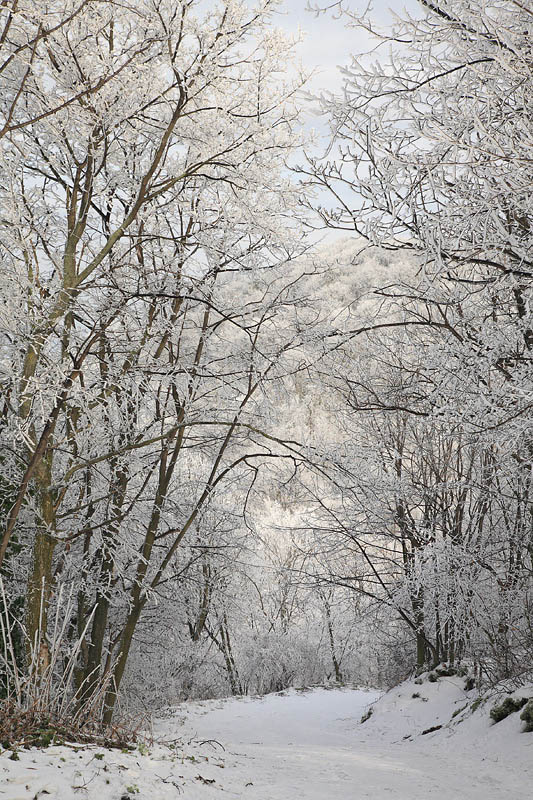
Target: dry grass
28	728
41	705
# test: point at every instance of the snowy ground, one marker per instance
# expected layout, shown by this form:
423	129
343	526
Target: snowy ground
298	746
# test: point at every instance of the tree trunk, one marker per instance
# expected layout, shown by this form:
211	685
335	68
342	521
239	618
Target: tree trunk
40	578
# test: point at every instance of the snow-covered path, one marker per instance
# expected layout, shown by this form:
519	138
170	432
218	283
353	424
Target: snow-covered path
297	746
310	746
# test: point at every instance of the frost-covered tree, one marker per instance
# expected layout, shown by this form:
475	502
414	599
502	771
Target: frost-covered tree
150	297
431	154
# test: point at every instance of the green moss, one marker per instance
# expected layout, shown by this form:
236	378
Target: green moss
44	737
458	711
509	706
476	704
527	715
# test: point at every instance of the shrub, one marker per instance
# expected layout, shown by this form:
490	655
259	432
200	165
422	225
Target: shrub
527	715
509	706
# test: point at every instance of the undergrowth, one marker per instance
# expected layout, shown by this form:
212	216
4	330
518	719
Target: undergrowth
21	727
41	704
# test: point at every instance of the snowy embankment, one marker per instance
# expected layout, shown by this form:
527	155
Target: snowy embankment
299	746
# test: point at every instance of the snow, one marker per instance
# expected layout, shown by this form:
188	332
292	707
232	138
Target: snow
299	745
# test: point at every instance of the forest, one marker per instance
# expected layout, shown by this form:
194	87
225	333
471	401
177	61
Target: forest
265	394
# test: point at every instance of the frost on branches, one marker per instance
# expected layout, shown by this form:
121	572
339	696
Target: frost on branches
431	154
149	296
220	450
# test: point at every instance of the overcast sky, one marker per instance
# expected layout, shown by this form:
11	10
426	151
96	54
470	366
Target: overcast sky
328	42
